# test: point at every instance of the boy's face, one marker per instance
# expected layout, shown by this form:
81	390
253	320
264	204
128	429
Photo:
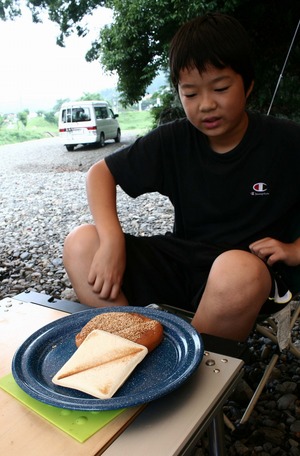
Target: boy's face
214	102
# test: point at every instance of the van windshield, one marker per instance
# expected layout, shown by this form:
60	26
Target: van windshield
79	114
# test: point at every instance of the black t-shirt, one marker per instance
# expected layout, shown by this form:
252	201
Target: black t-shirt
229	199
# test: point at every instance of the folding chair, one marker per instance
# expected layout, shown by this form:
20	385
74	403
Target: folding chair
273	327
277	327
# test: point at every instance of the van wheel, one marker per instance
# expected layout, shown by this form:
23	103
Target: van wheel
70	147
102	140
118	137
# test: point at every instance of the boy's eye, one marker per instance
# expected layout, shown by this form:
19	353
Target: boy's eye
222	89
189	95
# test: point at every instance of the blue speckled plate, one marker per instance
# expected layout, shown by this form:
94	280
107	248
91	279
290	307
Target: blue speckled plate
168	366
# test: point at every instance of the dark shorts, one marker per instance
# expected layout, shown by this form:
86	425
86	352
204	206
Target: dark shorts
163	269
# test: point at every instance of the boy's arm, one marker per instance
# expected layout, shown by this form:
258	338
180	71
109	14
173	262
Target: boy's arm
272	251
108	264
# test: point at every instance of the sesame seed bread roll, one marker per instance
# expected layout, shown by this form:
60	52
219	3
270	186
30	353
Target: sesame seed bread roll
132	326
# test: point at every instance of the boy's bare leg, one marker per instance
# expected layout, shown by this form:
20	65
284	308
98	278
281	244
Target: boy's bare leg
79	250
238	285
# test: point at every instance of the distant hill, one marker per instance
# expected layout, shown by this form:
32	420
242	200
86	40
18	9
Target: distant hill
158	82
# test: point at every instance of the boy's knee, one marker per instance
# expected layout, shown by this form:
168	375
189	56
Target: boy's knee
79	239
237	270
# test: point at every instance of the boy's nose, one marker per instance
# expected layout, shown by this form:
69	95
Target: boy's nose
207	104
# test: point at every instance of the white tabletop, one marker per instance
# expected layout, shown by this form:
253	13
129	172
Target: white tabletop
166	427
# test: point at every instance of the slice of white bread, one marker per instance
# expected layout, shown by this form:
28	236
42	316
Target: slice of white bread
101	364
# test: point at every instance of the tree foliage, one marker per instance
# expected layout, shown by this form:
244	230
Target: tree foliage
50	117
59	103
135	45
2	120
23	117
88	96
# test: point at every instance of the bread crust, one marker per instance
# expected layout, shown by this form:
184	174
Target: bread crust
132	326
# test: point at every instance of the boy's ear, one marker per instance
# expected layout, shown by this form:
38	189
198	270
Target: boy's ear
250	89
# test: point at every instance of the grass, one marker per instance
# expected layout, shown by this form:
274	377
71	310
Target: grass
38	127
135	120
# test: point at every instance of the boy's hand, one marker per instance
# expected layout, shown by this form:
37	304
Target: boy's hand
270	250
107	269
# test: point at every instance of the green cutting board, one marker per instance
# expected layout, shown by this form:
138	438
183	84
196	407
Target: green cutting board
78	424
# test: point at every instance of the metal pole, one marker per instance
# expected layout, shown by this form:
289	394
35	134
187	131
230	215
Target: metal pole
281	74
217	436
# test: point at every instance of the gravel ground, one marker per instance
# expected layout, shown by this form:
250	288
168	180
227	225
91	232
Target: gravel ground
43	198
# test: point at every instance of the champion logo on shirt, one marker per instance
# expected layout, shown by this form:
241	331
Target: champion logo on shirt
260	189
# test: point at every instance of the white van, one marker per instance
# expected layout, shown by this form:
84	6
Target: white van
86	122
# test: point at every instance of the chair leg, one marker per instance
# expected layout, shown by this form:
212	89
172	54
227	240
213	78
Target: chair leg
294	350
267	333
228	423
259	389
270	333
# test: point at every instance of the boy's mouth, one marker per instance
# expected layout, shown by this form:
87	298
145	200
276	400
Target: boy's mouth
211	122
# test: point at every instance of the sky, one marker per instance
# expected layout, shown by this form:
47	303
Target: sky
36	72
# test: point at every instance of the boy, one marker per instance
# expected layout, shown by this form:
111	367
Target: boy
232	177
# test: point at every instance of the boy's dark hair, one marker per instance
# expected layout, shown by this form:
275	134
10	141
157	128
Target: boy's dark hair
213	39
